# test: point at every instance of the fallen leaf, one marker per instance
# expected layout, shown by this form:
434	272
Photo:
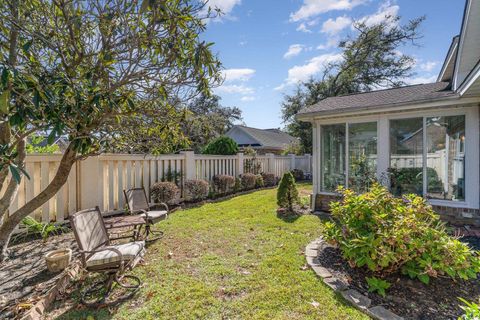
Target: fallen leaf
304	267
315	304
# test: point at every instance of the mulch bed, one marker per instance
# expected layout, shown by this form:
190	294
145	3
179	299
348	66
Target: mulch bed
24	277
408	298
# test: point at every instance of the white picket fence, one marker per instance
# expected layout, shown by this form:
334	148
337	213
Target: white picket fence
101	180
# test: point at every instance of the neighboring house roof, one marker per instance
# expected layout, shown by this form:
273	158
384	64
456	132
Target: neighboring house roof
265	138
382	98
459	76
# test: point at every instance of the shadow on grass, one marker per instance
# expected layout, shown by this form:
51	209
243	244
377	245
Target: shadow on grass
288	217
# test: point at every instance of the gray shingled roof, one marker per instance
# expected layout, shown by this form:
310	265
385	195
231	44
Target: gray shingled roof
382	98
272	138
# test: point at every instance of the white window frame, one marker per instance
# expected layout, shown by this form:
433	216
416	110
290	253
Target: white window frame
472	148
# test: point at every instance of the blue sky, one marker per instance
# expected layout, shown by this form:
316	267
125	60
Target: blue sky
268	46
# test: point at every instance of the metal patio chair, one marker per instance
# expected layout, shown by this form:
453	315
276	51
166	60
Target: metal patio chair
137	202
99	256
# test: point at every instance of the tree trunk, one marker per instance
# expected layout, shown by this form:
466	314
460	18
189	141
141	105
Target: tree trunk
11	221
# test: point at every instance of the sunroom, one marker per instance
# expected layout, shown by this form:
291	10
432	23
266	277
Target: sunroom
424	140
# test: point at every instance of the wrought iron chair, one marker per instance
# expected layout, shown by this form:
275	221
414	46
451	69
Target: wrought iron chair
137	202
98	255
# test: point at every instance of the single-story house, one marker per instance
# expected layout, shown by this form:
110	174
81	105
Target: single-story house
421	138
262	140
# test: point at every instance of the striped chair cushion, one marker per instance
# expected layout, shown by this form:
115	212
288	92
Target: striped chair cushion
129	252
156	215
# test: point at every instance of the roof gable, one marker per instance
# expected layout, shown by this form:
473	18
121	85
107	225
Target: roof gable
448	68
268	138
468	54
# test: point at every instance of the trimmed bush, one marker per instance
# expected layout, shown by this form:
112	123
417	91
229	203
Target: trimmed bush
221	146
287	194
259	183
164	192
388	234
238	185
196	190
269	179
248	181
223	184
298	174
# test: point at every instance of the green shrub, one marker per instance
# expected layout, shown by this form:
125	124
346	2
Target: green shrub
269	179
287	193
196	190
222	146
259	183
238	185
223	184
389	234
45	230
164	192
298	174
377	285
248	181
471	310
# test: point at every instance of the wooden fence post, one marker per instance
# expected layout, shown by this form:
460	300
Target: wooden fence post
239	165
190	168
271	162
292	161
91	177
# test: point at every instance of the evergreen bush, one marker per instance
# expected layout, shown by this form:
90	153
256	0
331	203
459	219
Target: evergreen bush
287	194
221	146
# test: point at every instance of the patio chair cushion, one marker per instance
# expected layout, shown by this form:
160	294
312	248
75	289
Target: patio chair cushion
129	252
156	215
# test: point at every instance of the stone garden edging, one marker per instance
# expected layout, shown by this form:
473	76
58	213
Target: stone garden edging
358	300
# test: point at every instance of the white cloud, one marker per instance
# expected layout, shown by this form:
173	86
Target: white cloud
247	98
293	50
428	66
303	28
331	42
311	8
225	6
235	89
244	74
333	27
421	79
313	66
385	13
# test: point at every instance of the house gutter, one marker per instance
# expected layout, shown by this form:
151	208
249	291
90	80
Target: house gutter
392	107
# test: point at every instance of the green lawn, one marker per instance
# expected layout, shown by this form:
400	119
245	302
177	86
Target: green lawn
231	260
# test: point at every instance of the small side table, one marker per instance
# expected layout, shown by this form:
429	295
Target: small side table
123	222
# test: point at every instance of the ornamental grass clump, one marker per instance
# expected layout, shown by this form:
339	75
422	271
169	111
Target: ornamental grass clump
388	234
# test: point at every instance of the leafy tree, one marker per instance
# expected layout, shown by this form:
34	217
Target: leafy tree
370	60
287	193
77	68
207	119
38	144
222	145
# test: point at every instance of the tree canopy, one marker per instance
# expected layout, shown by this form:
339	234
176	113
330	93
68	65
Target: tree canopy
78	68
371	59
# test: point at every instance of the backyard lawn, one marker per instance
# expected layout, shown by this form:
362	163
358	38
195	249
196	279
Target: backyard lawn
230	260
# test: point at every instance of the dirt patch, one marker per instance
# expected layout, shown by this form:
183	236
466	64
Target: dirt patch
24	278
408	298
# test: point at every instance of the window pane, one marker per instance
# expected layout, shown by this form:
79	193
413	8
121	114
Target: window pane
362	149
446	158
406	156
333	156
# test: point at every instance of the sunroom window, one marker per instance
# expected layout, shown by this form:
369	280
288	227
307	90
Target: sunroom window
359	141
427	157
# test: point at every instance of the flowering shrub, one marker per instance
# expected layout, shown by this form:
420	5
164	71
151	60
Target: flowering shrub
259	183
223	184
248	180
269	179
164	192
389	234
196	190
